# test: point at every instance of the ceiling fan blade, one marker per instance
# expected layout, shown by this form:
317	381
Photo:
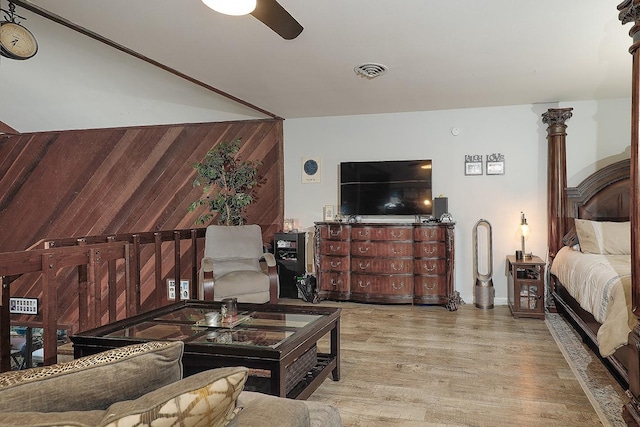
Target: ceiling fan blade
277	18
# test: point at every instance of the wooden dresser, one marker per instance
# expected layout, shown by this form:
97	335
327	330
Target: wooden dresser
399	263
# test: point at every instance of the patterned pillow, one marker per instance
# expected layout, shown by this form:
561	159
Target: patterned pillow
204	399
93	382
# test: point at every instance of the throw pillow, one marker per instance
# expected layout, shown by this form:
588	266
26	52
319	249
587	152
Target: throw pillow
204	399
93	382
603	237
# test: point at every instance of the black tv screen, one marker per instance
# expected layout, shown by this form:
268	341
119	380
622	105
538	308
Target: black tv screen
396	187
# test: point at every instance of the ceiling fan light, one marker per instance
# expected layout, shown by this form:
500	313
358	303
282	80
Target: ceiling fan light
232	7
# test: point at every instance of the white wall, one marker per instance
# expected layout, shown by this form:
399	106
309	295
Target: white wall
86	84
516	131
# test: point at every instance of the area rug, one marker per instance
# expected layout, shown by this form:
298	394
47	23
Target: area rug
598	384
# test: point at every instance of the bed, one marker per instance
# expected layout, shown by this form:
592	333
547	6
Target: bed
590	257
611	194
590	271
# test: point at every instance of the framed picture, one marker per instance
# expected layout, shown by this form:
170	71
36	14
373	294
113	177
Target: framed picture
328	213
495	164
310	170
473	164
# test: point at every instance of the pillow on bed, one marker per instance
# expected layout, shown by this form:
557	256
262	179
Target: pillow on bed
603	237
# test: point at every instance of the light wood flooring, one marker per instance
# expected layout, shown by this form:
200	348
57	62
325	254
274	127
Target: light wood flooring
420	366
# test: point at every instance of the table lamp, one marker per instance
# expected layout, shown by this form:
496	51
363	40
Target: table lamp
525	232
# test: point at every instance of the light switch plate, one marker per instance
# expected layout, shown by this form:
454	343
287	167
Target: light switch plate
171	289
23	305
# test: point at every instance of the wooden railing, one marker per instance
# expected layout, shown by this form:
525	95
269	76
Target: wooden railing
101	262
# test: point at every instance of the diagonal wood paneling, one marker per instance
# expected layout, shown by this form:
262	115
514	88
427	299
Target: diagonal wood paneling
123	180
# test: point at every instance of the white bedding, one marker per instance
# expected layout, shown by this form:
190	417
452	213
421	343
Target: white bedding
602	286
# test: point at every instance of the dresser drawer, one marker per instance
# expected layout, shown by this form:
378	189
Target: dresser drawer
381	233
429	266
429	234
331	247
382	265
385	285
435	285
429	250
335	282
381	249
335	232
334	263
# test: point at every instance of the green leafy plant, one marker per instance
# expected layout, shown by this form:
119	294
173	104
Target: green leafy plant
227	184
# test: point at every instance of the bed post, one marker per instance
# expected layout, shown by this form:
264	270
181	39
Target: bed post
555	118
629	11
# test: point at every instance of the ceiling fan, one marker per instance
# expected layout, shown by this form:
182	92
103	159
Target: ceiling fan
269	12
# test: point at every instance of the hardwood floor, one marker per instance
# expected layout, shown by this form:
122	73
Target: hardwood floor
420	366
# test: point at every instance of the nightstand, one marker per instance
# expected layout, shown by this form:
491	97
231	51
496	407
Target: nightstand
526	286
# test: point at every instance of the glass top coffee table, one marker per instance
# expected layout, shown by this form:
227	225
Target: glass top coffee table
278	343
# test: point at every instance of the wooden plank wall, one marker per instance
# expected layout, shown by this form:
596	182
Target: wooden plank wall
123	180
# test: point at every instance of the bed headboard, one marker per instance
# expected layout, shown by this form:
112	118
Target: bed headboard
603	196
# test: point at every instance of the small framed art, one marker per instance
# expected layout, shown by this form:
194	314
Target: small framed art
328	214
473	164
310	169
495	164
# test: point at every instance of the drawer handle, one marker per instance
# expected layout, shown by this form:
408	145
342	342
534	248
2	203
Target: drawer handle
427	267
335	282
393	233
335	264
334	248
363	233
363	285
397	267
429	251
335	233
364	267
396	251
397	287
430	285
429	233
363	250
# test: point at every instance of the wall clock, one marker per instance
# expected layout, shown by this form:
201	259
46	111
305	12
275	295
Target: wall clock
16	41
310	170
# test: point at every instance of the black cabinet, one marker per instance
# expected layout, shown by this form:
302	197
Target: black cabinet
289	250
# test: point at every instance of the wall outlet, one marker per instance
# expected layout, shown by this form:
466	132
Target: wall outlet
171	289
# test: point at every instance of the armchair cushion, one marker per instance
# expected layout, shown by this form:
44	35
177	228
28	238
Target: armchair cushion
93	382
268	410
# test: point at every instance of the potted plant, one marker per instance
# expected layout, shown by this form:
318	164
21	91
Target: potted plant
227	184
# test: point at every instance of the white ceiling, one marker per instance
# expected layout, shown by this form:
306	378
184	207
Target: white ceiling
440	54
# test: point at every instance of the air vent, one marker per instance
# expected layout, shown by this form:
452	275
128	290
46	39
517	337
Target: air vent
370	70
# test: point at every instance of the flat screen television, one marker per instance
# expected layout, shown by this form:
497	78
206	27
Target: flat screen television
394	187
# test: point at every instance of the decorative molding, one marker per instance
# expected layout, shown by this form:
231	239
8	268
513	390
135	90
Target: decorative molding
628	11
557	116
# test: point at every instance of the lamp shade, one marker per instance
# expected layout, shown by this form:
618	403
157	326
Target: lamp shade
231	7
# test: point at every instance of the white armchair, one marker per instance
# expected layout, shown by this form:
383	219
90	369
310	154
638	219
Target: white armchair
231	267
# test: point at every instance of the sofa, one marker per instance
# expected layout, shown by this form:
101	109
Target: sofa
142	385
